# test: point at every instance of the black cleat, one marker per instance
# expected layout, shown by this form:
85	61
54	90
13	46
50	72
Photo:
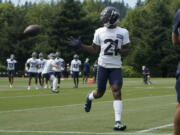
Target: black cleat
119	126
88	104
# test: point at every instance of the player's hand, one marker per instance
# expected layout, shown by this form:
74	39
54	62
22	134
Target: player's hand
26	69
74	42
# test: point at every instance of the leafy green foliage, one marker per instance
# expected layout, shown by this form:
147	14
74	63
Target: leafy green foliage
2	68
150	31
128	71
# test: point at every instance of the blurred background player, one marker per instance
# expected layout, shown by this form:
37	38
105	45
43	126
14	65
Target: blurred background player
62	71
48	71
41	63
31	67
11	69
176	41
86	70
112	41
60	63
146	75
143	75
75	69
68	71
95	66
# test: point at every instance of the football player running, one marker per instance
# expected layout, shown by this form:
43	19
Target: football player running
41	63
113	41
60	62
11	69
48	71
75	68
31	66
176	41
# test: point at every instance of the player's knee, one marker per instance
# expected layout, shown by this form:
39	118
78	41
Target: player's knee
116	92
98	94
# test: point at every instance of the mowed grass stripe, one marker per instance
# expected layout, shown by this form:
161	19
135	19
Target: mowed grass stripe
73	105
75	132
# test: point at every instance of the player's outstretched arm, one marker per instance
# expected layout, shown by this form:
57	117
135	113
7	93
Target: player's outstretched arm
26	65
91	48
78	43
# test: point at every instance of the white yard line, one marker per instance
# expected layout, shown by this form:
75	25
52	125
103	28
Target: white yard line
34	109
155	128
152	87
78	132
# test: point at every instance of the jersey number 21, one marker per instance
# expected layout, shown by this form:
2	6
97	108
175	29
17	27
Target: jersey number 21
111	43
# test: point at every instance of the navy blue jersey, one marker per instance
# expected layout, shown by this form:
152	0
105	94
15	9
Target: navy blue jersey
146	71
86	67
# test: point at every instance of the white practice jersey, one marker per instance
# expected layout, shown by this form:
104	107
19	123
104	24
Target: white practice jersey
41	63
75	65
59	63
48	68
11	64
33	65
110	40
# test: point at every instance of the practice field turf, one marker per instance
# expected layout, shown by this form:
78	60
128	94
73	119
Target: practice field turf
147	109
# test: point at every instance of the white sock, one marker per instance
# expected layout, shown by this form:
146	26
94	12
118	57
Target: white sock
117	104
91	97
53	82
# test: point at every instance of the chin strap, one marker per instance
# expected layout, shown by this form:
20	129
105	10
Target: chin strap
108	24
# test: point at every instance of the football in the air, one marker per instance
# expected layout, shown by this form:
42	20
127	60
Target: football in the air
32	30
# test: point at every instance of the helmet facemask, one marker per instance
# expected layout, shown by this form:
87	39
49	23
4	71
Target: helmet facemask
109	16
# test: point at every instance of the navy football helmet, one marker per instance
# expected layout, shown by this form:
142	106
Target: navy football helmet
34	54
76	56
52	55
109	16
12	56
41	55
58	54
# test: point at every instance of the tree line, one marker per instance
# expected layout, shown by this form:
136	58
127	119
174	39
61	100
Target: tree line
149	25
59	20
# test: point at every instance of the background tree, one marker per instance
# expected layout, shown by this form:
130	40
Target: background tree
149	25
150	30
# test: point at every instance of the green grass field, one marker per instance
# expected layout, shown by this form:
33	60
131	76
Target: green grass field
147	109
